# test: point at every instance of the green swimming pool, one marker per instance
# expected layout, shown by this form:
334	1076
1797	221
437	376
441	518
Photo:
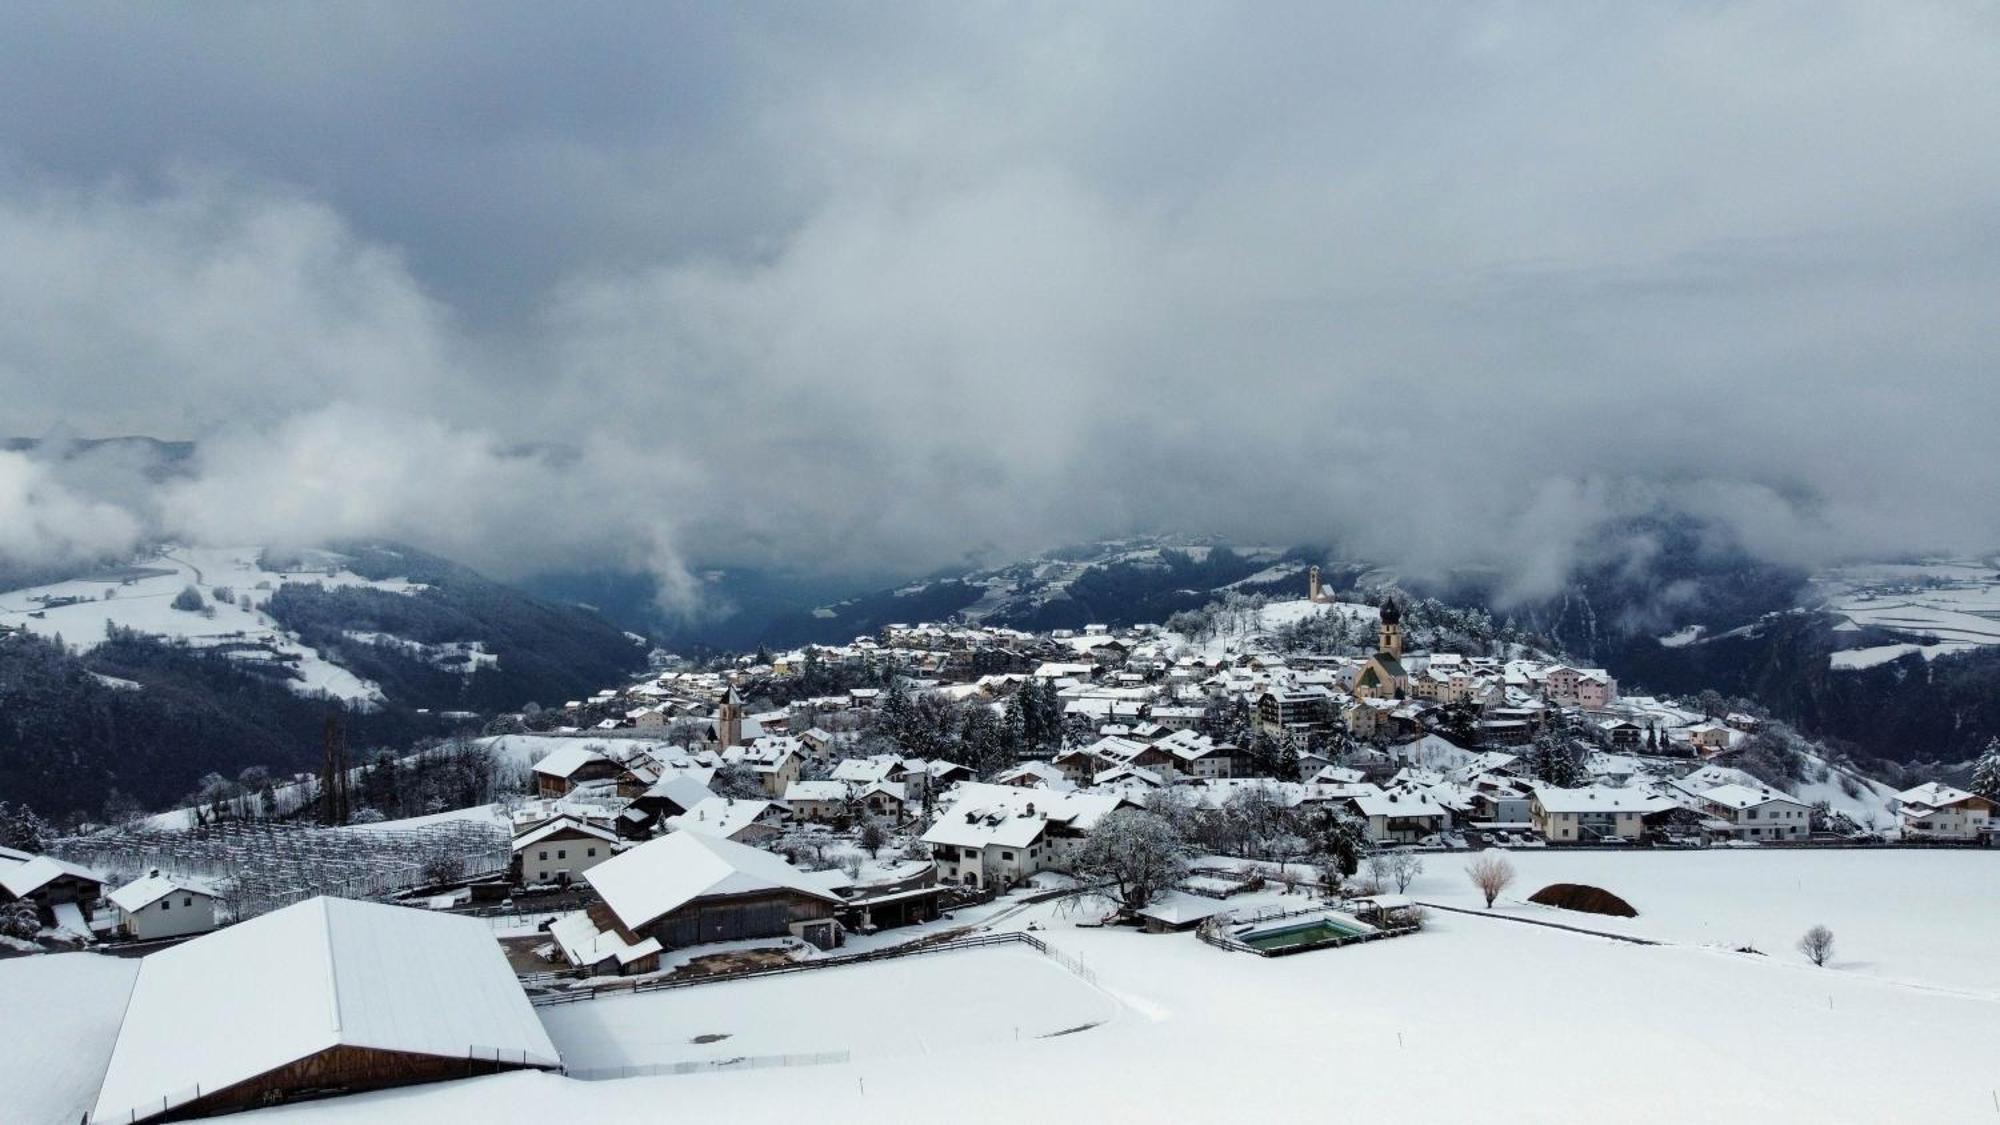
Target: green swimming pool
1306	931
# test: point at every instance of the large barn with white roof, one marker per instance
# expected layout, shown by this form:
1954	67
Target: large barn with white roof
324	996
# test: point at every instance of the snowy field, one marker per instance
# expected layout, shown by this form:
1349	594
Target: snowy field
61	1019
1925	917
924	1005
1474	1019
1954	603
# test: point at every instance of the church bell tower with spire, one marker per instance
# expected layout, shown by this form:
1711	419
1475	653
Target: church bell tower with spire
1391	640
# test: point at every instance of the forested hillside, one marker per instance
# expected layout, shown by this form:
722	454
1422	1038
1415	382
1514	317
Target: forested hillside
543	652
73	741
139	718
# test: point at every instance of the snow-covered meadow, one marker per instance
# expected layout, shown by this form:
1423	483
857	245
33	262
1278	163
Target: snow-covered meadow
935	1003
1475	1018
1953	604
1925	917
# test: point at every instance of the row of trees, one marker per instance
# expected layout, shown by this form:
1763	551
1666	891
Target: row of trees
932	726
1140	853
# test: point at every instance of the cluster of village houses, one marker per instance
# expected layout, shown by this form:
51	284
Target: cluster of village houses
613	810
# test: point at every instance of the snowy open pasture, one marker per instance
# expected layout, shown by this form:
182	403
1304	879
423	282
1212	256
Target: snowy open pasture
1927	917
915	1006
1952	603
1473	1019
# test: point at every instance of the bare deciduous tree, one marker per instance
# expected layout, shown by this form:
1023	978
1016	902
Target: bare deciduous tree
1817	944
1492	874
1136	854
1404	867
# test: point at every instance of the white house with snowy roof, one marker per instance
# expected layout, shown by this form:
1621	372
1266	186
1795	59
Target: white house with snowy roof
998	835
156	906
1935	811
1758	812
561	850
1593	813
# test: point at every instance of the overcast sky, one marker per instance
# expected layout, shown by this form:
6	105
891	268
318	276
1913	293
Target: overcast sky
857	287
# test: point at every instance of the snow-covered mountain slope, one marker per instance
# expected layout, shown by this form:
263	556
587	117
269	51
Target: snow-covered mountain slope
233	587
1935	607
1122	581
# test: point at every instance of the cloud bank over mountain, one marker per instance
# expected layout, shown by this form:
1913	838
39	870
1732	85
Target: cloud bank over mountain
863	289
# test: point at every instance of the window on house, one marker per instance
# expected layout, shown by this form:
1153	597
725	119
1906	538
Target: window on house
562	853
591	852
542	855
187	902
166	904
1006	855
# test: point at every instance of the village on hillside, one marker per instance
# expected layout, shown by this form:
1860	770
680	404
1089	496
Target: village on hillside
1271	778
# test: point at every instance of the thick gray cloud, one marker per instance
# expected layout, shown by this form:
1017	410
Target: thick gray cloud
848	288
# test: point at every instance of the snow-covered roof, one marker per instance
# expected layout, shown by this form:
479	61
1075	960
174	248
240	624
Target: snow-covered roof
24	879
561	824
1599	799
682	788
1936	795
1042	772
1741	797
982	814
663	875
567	760
1397	804
865	770
146	890
583	943
722	816
816	791
1178	908
323	973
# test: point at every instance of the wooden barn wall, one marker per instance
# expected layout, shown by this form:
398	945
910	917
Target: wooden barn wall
737	917
336	1070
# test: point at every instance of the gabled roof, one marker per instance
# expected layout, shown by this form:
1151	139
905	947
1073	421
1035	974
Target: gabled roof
559	825
323	973
1936	795
663	875
567	760
146	890
681	788
1741	797
982	814
24	879
722	816
1599	799
1402	803
864	770
816	791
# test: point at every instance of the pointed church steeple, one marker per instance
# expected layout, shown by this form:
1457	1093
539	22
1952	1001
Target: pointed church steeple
1391	639
729	718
